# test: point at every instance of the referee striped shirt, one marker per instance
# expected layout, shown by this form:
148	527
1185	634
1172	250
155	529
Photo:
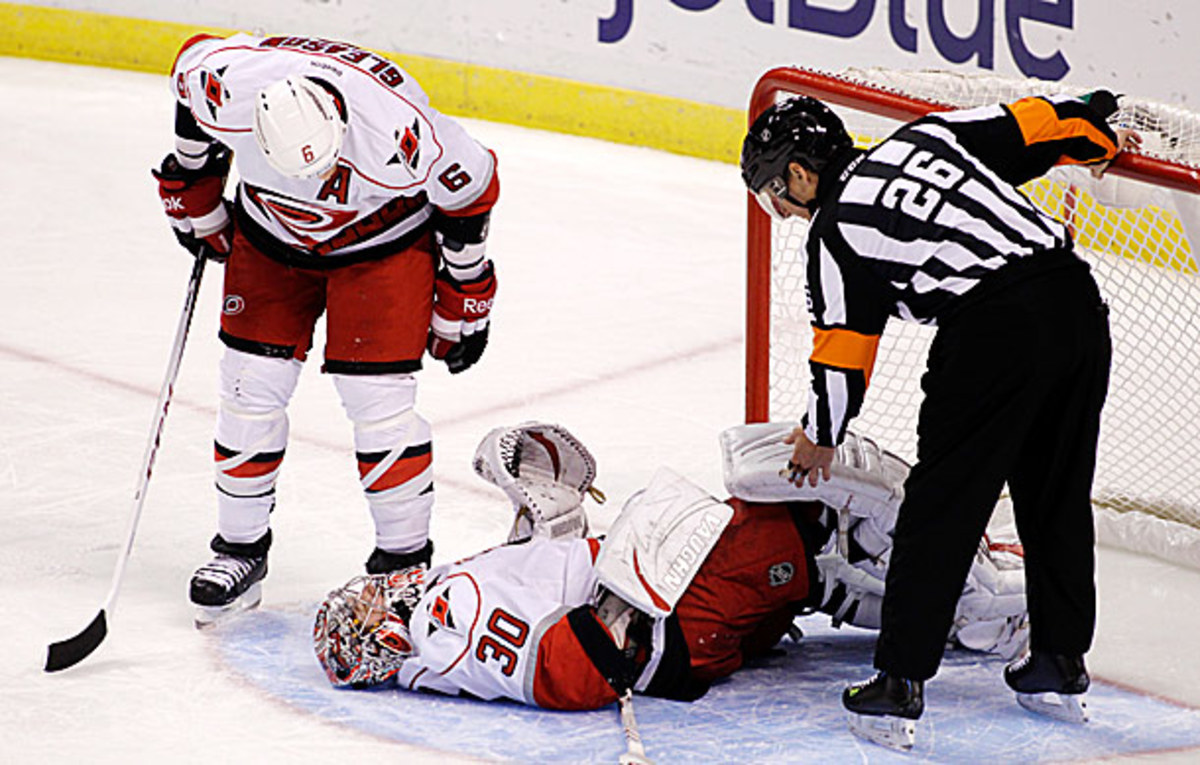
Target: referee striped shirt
913	225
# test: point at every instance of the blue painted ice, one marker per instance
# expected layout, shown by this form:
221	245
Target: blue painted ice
785	709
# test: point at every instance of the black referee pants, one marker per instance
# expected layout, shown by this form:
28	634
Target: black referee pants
1013	392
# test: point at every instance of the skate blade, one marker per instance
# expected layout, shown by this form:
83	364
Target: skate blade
1067	707
209	616
897	733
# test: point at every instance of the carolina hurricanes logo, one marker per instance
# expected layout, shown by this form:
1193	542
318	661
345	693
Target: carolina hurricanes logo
309	223
440	615
408	148
215	92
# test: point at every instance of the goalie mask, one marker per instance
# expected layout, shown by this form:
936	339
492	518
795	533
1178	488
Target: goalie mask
361	635
299	124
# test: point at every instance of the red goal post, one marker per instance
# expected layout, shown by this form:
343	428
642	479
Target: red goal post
1139	227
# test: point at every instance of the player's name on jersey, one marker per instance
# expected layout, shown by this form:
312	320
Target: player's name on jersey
385	70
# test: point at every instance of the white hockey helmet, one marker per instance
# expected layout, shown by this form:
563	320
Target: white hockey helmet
361	635
299	127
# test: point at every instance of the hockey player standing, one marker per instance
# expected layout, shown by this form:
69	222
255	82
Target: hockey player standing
355	200
928	226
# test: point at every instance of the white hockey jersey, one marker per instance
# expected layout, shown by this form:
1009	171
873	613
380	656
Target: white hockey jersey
400	158
480	625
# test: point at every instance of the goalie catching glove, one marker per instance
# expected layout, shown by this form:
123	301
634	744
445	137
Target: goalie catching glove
193	201
546	473
458	333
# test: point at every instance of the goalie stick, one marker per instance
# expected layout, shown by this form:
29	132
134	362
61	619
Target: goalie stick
69	652
635	753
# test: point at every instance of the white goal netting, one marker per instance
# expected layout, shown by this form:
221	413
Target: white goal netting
1139	227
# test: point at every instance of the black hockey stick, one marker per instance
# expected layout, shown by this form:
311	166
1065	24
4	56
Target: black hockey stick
69	652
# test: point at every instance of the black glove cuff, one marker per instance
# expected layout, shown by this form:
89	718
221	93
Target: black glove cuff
216	164
467	351
458	231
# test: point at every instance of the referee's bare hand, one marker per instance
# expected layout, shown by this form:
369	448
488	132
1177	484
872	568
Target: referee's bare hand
809	462
1127	140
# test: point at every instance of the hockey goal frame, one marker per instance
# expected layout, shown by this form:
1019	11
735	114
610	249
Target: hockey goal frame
881	101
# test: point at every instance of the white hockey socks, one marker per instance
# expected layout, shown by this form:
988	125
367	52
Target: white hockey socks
251	437
395	456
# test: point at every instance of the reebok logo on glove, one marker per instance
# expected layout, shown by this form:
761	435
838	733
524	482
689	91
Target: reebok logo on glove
473	306
458	332
193	200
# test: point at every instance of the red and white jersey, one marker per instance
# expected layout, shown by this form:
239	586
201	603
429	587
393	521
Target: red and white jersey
519	621
400	158
481	622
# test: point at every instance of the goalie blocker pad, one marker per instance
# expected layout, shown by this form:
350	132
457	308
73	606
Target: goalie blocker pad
659	541
865	480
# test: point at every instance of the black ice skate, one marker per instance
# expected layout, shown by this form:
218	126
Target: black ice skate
883	710
1050	684
230	582
384	562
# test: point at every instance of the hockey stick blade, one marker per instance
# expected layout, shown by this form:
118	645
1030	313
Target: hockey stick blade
69	652
73	650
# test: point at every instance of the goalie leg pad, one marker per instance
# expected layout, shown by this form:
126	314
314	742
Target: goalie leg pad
395	456
251	438
864	479
851	594
992	616
659	541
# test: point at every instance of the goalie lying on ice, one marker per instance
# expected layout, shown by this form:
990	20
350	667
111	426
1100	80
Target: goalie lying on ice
680	593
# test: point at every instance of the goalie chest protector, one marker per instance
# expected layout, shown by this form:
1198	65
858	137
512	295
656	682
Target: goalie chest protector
478	626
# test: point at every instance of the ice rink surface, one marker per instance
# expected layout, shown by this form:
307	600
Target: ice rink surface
619	315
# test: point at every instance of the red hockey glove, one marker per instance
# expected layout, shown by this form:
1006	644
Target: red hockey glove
459	330
193	201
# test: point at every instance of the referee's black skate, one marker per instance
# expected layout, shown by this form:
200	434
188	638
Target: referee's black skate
884	709
1050	684
230	582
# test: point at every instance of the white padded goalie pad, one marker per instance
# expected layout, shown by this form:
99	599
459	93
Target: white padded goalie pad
865	480
659	541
